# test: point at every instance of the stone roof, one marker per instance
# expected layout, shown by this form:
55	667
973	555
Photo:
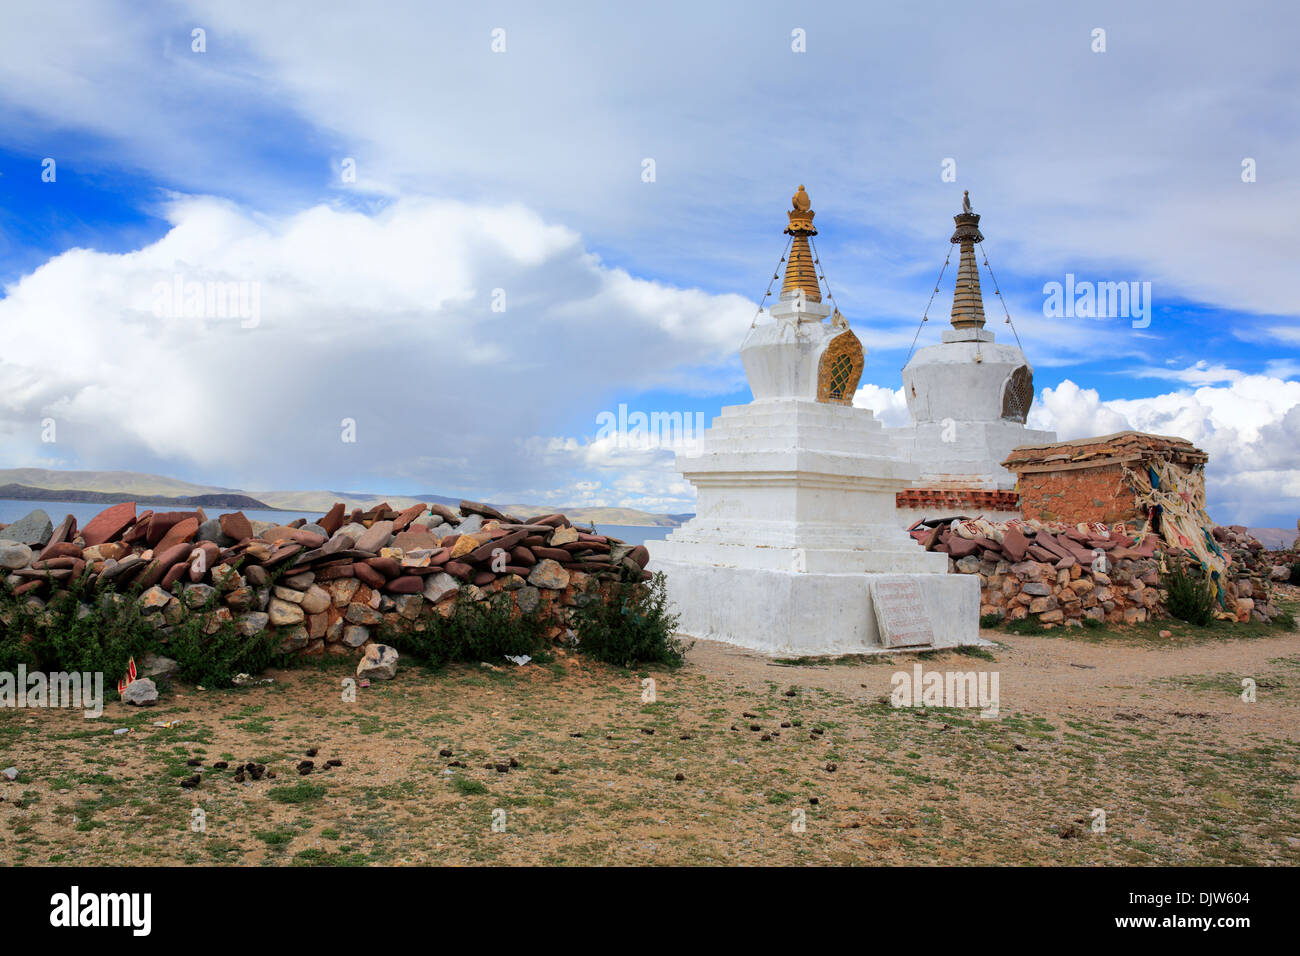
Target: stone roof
1121	447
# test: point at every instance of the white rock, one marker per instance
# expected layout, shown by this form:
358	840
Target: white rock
379	663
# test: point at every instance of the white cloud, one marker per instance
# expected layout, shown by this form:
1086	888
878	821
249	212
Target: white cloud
888	404
384	319
1250	428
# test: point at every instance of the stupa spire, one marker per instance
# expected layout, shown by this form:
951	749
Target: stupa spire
800	269
967	300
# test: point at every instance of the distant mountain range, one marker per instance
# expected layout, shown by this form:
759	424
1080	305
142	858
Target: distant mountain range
110	487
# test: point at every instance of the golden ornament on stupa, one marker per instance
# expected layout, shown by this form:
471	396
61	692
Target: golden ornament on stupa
800	270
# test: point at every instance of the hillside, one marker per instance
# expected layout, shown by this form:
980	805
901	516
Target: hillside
42	484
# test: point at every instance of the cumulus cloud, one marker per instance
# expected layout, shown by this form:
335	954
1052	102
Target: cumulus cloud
387	320
1250	427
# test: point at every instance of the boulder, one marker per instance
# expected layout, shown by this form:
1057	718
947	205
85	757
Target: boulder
33	529
253	623
375	537
109	523
155	665
210	530
548	574
282	613
141	692
333	519
378	663
315	600
236	526
14	555
439	586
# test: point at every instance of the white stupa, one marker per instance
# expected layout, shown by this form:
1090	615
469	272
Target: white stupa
795	540
968	397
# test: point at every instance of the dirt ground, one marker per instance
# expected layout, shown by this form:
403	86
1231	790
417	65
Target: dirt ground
1153	739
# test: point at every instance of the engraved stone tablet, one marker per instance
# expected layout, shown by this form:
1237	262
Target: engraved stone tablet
900	612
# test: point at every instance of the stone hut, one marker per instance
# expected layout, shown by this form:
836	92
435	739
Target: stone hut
1109	479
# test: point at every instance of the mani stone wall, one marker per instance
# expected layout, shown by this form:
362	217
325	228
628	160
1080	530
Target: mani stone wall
1051	572
323	586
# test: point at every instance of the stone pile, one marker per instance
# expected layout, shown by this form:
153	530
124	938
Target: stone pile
324	585
1061	574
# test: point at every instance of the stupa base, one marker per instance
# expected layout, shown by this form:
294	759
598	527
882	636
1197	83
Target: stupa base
803	614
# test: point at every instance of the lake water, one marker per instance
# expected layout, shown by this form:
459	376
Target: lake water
11	510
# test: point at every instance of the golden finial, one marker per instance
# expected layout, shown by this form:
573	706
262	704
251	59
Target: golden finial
801	270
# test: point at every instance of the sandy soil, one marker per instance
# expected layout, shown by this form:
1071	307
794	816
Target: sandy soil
1156	737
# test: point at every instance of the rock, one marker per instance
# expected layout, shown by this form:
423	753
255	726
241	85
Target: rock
33	529
210	530
198	595
439	586
236	526
355	635
563	536
283	613
334	632
240	599
253	623
163	561
471	525
14	555
549	574
527	599
154	599
407	584
342	590
155	665
108	524
409	605
141	692
316	600
378	663
375	537
288	594
182	531
477	508
294	639
968	565
352	531
361	614
226	577
1279	572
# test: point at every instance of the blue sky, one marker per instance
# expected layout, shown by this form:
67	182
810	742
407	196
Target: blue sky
521	170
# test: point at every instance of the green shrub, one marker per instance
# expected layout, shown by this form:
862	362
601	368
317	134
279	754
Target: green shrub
632	627
1191	596
99	634
85	629
214	660
475	631
1025	625
990	620
1295	573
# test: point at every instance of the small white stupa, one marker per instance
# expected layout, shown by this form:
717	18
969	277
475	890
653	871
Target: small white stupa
969	395
795	548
